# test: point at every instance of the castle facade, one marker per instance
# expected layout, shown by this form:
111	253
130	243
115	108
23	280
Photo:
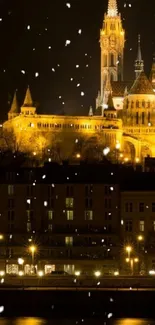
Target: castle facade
123	121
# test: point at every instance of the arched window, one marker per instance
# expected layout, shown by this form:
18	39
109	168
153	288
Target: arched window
105	60
143	104
137	104
148	104
132	104
137	118
127	103
143	117
111	77
148	117
112	60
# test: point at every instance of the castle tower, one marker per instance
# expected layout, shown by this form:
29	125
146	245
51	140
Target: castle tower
139	63
112	39
14	110
28	106
152	74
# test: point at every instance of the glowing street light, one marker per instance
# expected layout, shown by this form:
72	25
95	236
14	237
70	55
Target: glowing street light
20	261
97	273
77	273
78	156
32	250
1	237
40	273
140	238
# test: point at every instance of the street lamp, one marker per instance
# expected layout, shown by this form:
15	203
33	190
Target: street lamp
97	273
20	261
140	238
1	237
32	250
128	250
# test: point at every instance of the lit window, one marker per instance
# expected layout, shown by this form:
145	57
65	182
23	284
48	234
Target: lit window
10	189
69	241
69	202
89	215
50	227
141	225
50	215
70	215
153	225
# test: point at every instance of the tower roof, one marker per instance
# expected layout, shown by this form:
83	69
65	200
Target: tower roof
139	54
14	105
112	8
152	74
142	85
110	103
28	102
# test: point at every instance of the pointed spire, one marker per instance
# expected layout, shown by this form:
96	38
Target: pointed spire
14	105
110	103
139	63
112	8
90	111
126	91
152	74
139	54
28	102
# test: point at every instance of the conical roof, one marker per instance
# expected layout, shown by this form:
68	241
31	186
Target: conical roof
142	86
110	104
28	102
14	106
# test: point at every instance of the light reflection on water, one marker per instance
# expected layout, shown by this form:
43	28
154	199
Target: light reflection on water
39	321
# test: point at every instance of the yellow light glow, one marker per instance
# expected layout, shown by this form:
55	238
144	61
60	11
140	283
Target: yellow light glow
140	238
32	248
78	155
34	153
127	259
137	160
136	260
116	273
126	159
2	273
77	273
97	273
20	261
121	155
1	236
40	273
21	273
128	249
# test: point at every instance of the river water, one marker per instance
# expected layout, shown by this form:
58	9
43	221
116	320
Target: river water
40	321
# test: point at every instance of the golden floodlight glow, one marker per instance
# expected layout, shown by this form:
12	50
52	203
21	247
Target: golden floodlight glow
136	260
32	248
127	259
140	238
78	155
77	273
40	273
1	236
128	249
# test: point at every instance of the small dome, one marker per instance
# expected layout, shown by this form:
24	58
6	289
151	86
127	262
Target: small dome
142	85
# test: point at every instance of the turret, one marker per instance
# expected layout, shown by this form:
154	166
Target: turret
90	111
14	110
28	106
110	112
152	74
139	63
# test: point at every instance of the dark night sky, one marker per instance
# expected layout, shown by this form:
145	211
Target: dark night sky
62	23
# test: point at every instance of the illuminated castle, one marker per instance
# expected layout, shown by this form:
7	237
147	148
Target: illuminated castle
123	121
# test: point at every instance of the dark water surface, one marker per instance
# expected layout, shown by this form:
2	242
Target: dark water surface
41	321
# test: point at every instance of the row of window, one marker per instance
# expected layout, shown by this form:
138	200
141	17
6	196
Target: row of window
129	225
70	126
141	207
138	104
